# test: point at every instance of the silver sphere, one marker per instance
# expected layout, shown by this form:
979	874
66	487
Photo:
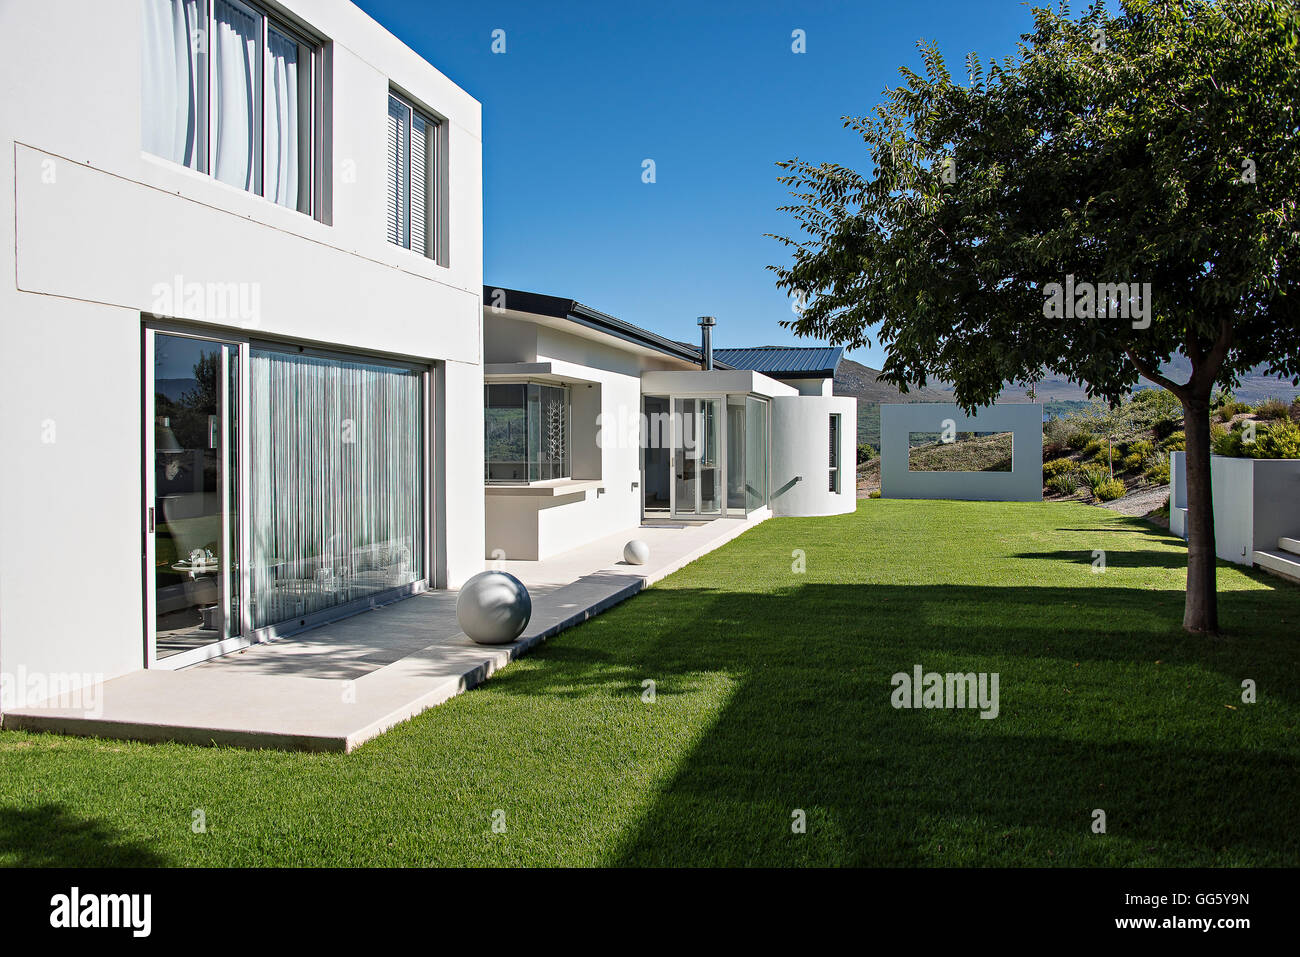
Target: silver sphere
636	552
493	608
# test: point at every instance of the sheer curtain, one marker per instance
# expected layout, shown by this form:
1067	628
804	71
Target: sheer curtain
173	79
337	503
236	96
282	120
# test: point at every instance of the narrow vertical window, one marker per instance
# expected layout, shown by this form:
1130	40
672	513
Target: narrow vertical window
413	184
835	454
174	82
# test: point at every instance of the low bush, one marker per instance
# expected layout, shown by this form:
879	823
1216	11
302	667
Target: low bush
1078	439
1093	476
1226	411
1158	474
1109	490
1273	409
1133	462
1175	442
874	494
1095	449
1280	440
1066	484
1057	467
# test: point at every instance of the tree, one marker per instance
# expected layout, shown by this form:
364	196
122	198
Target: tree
1120	190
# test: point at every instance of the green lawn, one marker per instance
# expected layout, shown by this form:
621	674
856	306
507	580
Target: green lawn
773	695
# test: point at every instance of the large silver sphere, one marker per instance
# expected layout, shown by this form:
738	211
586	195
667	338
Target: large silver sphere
636	552
493	608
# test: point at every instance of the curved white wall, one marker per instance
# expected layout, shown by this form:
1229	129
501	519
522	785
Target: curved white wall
801	447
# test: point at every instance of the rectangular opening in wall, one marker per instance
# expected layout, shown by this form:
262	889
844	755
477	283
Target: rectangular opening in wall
959	452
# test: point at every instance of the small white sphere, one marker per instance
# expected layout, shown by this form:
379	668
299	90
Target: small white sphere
636	552
493	608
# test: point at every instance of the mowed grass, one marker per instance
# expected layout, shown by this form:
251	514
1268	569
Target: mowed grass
773	696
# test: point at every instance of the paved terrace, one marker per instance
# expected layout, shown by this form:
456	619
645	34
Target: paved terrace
334	687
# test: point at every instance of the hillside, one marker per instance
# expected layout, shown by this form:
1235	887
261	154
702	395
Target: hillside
863	383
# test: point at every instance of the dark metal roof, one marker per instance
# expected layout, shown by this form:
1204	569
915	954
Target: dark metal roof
557	307
785	362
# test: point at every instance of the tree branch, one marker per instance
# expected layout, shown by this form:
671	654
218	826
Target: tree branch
1156	377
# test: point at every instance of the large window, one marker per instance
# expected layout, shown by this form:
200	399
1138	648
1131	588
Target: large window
413	183
228	90
526	432
337	488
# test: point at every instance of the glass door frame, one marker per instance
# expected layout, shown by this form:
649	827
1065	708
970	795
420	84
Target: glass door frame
243	345
675	449
674	442
237	563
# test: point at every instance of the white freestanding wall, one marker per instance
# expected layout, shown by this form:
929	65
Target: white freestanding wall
92	225
1256	502
1024	483
800	483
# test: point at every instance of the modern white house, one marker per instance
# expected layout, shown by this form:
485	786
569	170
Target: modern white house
594	425
249	366
242	264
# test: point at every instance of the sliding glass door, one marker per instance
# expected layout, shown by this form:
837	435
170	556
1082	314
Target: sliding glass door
191	520
337	496
697	456
284	488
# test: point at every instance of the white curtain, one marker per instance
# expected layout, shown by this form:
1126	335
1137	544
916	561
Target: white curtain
173	82
337	504
236	96
282	120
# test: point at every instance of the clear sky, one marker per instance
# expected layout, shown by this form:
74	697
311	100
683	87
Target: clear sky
714	94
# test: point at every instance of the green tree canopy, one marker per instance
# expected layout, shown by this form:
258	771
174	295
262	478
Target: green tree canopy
1158	148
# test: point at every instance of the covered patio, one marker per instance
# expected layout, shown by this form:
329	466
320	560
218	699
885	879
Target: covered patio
334	687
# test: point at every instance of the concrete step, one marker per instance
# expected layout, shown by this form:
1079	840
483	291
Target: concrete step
1291	545
1283	564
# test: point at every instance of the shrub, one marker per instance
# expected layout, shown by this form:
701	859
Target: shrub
1132	462
1093	476
865	453
1229	409
1295	409
874	494
1056	435
1109	489
1273	409
1141	447
1158	474
1094	449
1163	428
1280	440
1078	439
1057	467
1176	442
1063	484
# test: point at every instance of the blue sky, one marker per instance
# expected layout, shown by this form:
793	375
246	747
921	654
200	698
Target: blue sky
713	93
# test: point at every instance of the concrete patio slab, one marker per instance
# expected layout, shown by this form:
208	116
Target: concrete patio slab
337	686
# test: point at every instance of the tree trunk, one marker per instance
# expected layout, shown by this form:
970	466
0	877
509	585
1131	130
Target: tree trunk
1201	613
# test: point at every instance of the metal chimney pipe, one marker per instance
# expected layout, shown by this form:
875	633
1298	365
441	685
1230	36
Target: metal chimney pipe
706	342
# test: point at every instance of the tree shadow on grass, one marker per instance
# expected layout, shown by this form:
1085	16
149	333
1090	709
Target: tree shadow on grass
51	836
1092	679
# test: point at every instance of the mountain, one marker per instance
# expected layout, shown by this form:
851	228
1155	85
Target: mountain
863	383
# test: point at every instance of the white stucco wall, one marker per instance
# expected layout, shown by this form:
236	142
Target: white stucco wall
1024	483
800	482
93	225
1256	502
604	377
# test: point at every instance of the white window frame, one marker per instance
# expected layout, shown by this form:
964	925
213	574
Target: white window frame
311	73
434	203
